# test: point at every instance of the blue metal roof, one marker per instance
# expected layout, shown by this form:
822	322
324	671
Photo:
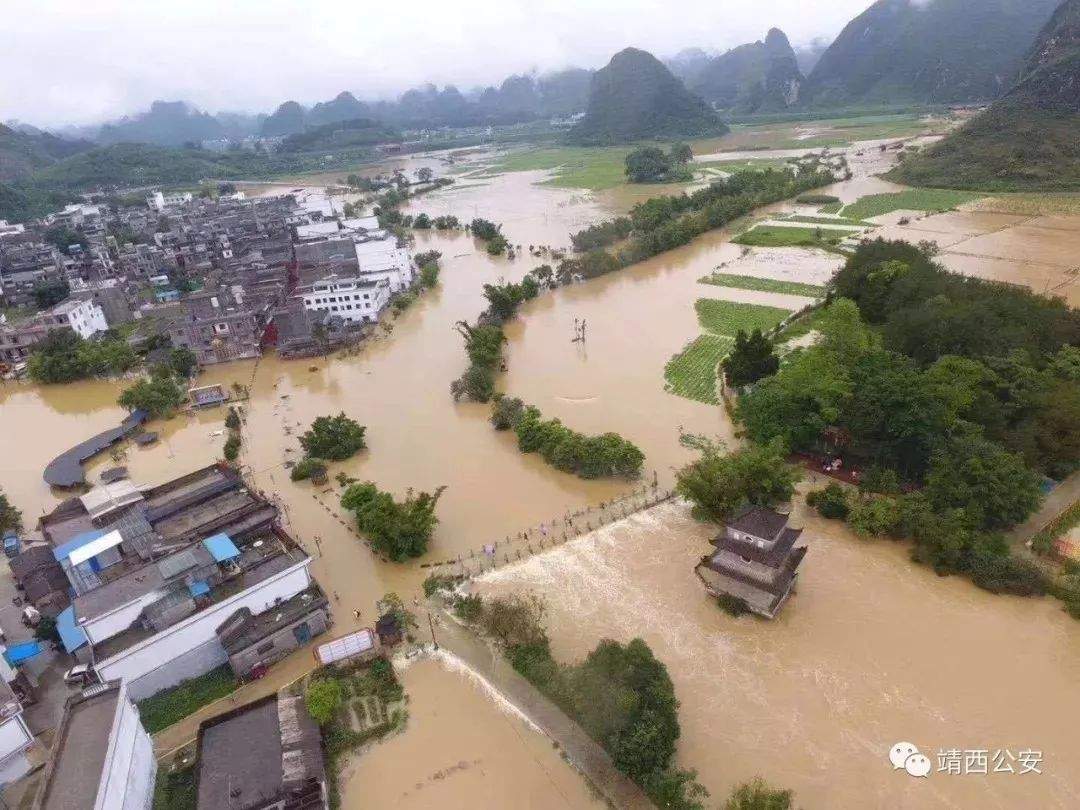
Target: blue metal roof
221	547
62	552
199	587
17	653
71	635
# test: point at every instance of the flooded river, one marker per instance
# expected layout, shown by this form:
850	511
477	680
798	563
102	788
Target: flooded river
870	649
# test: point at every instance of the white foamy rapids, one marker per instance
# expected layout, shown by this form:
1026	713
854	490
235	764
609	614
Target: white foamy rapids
453	664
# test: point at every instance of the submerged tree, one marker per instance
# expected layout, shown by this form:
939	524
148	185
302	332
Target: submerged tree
333	437
399	529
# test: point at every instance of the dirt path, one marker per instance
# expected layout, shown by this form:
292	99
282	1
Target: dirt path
585	754
1060	498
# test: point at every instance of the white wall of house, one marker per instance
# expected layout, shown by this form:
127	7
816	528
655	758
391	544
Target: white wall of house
198	629
384	260
354	300
127	777
15	739
107	625
87	319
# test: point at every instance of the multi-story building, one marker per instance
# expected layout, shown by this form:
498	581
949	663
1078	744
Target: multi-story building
755	562
17	340
216	327
172	581
102	757
16	741
355	299
159	201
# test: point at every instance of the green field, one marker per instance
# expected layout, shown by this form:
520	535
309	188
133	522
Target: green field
763	284
595	168
692	372
778	236
913	199
831	208
728	317
809	219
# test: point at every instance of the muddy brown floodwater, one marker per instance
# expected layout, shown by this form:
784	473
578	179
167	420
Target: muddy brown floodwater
870	649
464	747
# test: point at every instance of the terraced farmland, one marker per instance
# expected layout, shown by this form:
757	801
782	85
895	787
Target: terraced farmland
692	372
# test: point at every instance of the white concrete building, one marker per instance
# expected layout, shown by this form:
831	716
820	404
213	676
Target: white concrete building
15	737
383	260
102	759
159	201
84	316
354	299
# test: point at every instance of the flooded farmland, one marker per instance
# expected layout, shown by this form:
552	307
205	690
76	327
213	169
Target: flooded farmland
871	649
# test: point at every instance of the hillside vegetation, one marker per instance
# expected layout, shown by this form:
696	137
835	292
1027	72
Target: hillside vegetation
1027	141
22	153
932	51
635	98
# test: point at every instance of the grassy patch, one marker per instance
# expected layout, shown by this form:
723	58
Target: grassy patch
803	325
913	199
831	208
1031	205
809	219
763	284
172	705
779	236
692	372
176	790
728	317
593	168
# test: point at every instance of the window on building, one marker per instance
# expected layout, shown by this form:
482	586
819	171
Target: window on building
262	649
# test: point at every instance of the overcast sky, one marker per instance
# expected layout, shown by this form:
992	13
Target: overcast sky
83	61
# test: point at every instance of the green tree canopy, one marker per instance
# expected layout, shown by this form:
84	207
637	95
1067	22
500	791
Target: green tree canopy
752	357
158	395
647	164
323	698
183	361
399	529
10	515
718	484
333	437
990	483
